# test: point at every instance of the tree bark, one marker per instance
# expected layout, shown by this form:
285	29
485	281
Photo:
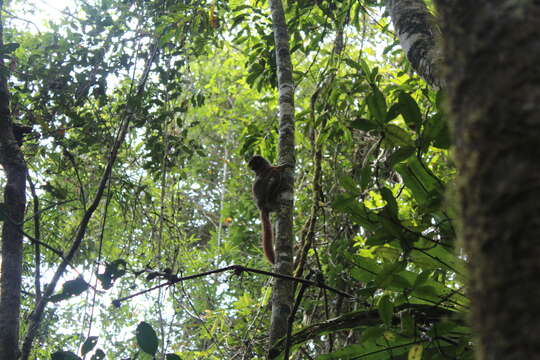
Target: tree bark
492	54
14	166
282	296
417	32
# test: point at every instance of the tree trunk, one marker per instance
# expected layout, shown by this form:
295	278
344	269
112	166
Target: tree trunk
282	297
416	30
12	214
493	56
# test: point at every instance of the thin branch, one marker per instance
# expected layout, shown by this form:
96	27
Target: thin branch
238	269
37	234
12	15
77	175
436	258
388	348
45	245
41	211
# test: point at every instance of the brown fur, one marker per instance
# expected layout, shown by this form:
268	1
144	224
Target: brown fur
266	190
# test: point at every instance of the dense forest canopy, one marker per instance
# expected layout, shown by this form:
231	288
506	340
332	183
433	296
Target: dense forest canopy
130	123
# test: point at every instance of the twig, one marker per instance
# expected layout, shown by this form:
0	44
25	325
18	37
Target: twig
238	269
45	245
388	348
22	19
41	211
37	234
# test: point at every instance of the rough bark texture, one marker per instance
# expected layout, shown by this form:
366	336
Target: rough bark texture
416	30
282	300
493	57
14	167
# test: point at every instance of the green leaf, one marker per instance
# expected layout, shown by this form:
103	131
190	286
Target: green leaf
407	322
421	278
376	104
433	126
366	292
379	239
424	185
353	64
396	136
437	131
430	182
363	124
387	276
365	67
415	352
412	183
393	277
348	184
88	345
387	253
358	212
365	270
447	327
365	176
391	202
64	355
386	310
372	333
426	291
393	112
172	357
437	257
390	224
373	75
400	155
410	111
371	347
237	20
400	281
147	338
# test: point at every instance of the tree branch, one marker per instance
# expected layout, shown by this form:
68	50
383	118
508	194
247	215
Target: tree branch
238	269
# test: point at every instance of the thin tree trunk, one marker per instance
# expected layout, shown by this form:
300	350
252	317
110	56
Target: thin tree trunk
282	300
12	213
416	30
493	58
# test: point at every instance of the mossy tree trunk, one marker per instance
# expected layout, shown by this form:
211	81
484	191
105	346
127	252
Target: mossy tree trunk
282	296
12	213
493	75
418	34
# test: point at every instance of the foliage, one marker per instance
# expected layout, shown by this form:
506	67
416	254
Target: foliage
377	222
